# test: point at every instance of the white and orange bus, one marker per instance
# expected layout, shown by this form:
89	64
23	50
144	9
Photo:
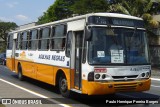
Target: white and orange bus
94	54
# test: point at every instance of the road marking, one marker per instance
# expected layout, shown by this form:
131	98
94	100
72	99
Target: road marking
123	94
35	93
156	79
155	86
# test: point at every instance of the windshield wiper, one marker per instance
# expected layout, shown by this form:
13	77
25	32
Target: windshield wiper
129	45
135	29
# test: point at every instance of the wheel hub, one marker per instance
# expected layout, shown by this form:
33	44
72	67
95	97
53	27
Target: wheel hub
64	85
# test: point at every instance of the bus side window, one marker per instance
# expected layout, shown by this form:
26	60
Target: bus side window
44	38
58	37
29	40
24	40
21	38
10	41
52	37
18	41
33	39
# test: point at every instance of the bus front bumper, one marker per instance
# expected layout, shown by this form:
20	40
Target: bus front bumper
101	88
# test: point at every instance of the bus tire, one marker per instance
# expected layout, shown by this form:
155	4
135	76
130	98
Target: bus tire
63	87
20	74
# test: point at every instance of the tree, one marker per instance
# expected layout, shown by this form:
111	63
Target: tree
118	8
62	9
140	8
89	6
59	10
43	19
5	27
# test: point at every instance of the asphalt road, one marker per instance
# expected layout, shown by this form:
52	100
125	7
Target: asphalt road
11	87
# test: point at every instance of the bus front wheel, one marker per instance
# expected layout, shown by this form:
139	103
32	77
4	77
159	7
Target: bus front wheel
63	87
20	75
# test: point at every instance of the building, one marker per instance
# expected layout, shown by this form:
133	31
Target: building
26	25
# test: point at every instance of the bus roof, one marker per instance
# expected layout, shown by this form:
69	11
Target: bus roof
117	15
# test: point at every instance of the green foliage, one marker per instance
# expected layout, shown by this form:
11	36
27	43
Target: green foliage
5	27
137	7
3	47
140	8
59	10
118	8
89	6
62	9
43	19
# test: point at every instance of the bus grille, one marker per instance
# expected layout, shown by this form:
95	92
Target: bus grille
125	87
124	78
120	77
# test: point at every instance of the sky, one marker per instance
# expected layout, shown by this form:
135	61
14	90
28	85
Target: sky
23	11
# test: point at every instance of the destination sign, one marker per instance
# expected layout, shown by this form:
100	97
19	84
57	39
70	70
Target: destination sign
101	20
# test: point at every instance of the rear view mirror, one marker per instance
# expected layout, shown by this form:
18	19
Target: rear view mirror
88	33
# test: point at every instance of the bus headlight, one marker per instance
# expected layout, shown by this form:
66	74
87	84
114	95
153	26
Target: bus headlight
104	76
97	76
147	74
143	75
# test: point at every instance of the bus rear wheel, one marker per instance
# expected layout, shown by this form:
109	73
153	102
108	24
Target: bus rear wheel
63	87
20	75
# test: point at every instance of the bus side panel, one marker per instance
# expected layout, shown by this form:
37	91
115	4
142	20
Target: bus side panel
44	73
13	64
27	68
9	63
47	73
16	65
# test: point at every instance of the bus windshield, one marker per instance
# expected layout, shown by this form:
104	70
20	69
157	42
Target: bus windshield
118	46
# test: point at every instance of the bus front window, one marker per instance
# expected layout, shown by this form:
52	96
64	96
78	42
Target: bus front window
118	46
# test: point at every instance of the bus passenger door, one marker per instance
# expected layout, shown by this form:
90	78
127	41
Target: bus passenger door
78	58
75	51
13	52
